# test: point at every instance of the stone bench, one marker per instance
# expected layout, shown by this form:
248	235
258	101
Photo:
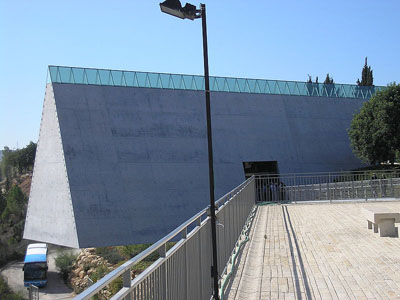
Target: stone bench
382	220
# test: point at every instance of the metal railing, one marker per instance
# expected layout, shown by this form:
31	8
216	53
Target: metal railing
184	271
328	186
89	76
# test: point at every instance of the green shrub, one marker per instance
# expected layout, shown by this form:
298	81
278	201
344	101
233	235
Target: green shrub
64	262
111	254
116	285
99	272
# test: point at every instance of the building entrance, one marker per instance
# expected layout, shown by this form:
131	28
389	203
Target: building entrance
260	168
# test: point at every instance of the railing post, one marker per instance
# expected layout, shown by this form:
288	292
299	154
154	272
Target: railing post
295	189
391	187
184	236
162	251
126	282
328	188
198	223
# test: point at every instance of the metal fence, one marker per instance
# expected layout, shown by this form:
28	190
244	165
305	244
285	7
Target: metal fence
184	271
328	186
33	292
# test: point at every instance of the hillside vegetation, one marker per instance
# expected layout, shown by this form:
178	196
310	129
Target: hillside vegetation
15	170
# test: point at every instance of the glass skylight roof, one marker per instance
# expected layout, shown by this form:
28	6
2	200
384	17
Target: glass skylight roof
73	75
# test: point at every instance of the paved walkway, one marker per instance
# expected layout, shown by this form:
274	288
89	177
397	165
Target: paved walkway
317	251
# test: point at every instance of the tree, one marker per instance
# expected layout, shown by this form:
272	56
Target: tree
374	131
15	204
328	79
2	203
367	78
17	161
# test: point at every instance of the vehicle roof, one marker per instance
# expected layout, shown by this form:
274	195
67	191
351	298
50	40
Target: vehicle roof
36	253
37	245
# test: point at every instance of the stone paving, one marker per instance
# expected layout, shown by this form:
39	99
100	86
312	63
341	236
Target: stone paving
316	251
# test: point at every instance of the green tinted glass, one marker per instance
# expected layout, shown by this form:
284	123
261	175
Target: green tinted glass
57	74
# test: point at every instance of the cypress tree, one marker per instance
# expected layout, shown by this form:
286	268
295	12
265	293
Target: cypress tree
367	78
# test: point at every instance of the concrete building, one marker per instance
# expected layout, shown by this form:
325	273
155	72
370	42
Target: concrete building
122	156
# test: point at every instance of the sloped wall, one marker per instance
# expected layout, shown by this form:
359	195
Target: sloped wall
136	158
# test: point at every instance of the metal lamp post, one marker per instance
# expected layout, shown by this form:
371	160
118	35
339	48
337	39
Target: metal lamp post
189	11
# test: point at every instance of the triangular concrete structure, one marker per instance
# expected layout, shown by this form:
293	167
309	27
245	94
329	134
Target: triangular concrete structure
50	215
120	165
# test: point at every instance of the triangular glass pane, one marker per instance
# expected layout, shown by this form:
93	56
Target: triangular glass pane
187	81
199	83
129	78
231	82
147	83
193	85
220	82
225	88
213	84
135	82
262	84
247	87
117	77
77	74
141	79
104	76
346	91
252	85
308	88
329	89
276	90
91	76
53	73
164	81
98	81
301	88
292	87
241	84
286	90
153	78
110	78
170	82
65	74
334	91
177	81
269	87
352	93
123	80
324	91
85	81
339	90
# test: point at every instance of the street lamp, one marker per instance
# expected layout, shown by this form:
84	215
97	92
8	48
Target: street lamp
189	11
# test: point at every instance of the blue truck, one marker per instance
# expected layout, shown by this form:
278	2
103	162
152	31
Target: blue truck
35	265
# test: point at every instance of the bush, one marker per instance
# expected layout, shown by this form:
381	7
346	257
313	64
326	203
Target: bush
111	254
99	272
64	262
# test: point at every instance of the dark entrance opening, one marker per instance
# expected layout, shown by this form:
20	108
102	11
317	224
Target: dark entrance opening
269	187
260	168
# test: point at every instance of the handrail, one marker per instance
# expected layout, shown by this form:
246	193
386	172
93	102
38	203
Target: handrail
126	267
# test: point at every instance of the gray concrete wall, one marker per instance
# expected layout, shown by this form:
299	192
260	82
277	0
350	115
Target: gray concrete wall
50	216
136	158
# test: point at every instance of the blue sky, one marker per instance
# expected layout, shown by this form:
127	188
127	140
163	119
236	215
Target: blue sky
255	39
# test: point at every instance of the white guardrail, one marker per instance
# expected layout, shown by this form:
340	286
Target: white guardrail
328	186
184	271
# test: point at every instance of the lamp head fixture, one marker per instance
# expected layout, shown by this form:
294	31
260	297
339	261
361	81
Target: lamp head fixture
174	8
